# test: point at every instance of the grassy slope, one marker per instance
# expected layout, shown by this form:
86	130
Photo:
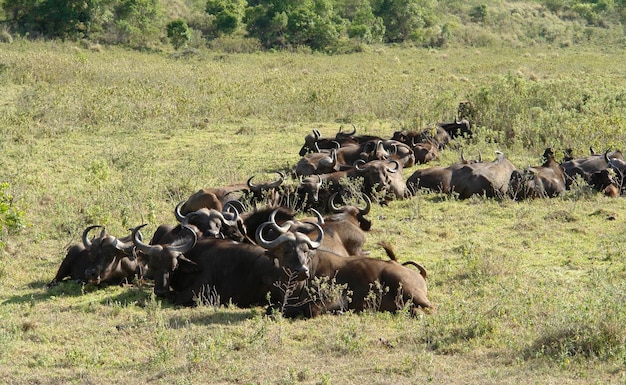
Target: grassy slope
527	292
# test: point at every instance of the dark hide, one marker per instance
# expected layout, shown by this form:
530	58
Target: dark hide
490	179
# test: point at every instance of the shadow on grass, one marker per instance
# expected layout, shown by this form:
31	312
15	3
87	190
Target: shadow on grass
222	316
139	296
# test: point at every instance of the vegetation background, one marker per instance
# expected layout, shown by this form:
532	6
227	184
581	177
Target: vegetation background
100	130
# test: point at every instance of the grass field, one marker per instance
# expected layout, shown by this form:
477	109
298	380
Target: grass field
527	292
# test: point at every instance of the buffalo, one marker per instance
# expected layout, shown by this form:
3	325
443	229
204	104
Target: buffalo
490	179
363	282
545	181
214	198
104	259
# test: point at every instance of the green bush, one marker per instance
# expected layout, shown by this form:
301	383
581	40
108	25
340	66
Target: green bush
11	218
179	33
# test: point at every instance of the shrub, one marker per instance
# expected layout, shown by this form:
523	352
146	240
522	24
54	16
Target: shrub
11	218
179	33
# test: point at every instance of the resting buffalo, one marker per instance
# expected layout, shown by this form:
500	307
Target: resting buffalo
213	223
220	271
435	135
545	181
365	283
490	179
164	253
437	178
104	259
586	166
317	163
349	224
461	128
384	177
214	198
605	182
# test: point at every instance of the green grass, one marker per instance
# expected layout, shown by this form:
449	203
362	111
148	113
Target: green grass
527	292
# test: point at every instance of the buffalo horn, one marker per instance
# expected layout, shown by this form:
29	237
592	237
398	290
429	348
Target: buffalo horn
86	241
282	229
319	217
233	205
368	205
281	178
144	248
253	187
186	246
177	213
314	244
274	243
396	168
333	204
358	163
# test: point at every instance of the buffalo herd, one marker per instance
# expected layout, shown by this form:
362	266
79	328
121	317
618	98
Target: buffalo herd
295	244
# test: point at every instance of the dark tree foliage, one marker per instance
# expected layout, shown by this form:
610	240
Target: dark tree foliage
323	25
178	32
50	18
228	14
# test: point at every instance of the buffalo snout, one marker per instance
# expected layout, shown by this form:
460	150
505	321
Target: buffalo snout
93	276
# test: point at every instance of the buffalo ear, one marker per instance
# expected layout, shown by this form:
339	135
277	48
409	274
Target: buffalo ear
187	266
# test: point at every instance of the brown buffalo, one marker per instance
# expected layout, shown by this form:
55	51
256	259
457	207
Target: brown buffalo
104	259
489	179
214	198
437	178
545	181
587	165
365	283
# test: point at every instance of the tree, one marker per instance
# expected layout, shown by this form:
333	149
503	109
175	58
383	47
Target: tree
403	17
282	23
228	14
363	25
51	18
178	32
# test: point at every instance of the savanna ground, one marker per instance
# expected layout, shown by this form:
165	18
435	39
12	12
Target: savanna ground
527	292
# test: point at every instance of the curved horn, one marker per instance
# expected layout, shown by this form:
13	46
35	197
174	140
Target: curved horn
331	200
125	247
319	217
233	216
274	243
281	179
606	157
253	187
368	205
233	205
319	181
144	248
229	222
463	157
329	161
394	169
353	130
185	247
317	134
177	213
85	236
357	163
314	244
282	229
